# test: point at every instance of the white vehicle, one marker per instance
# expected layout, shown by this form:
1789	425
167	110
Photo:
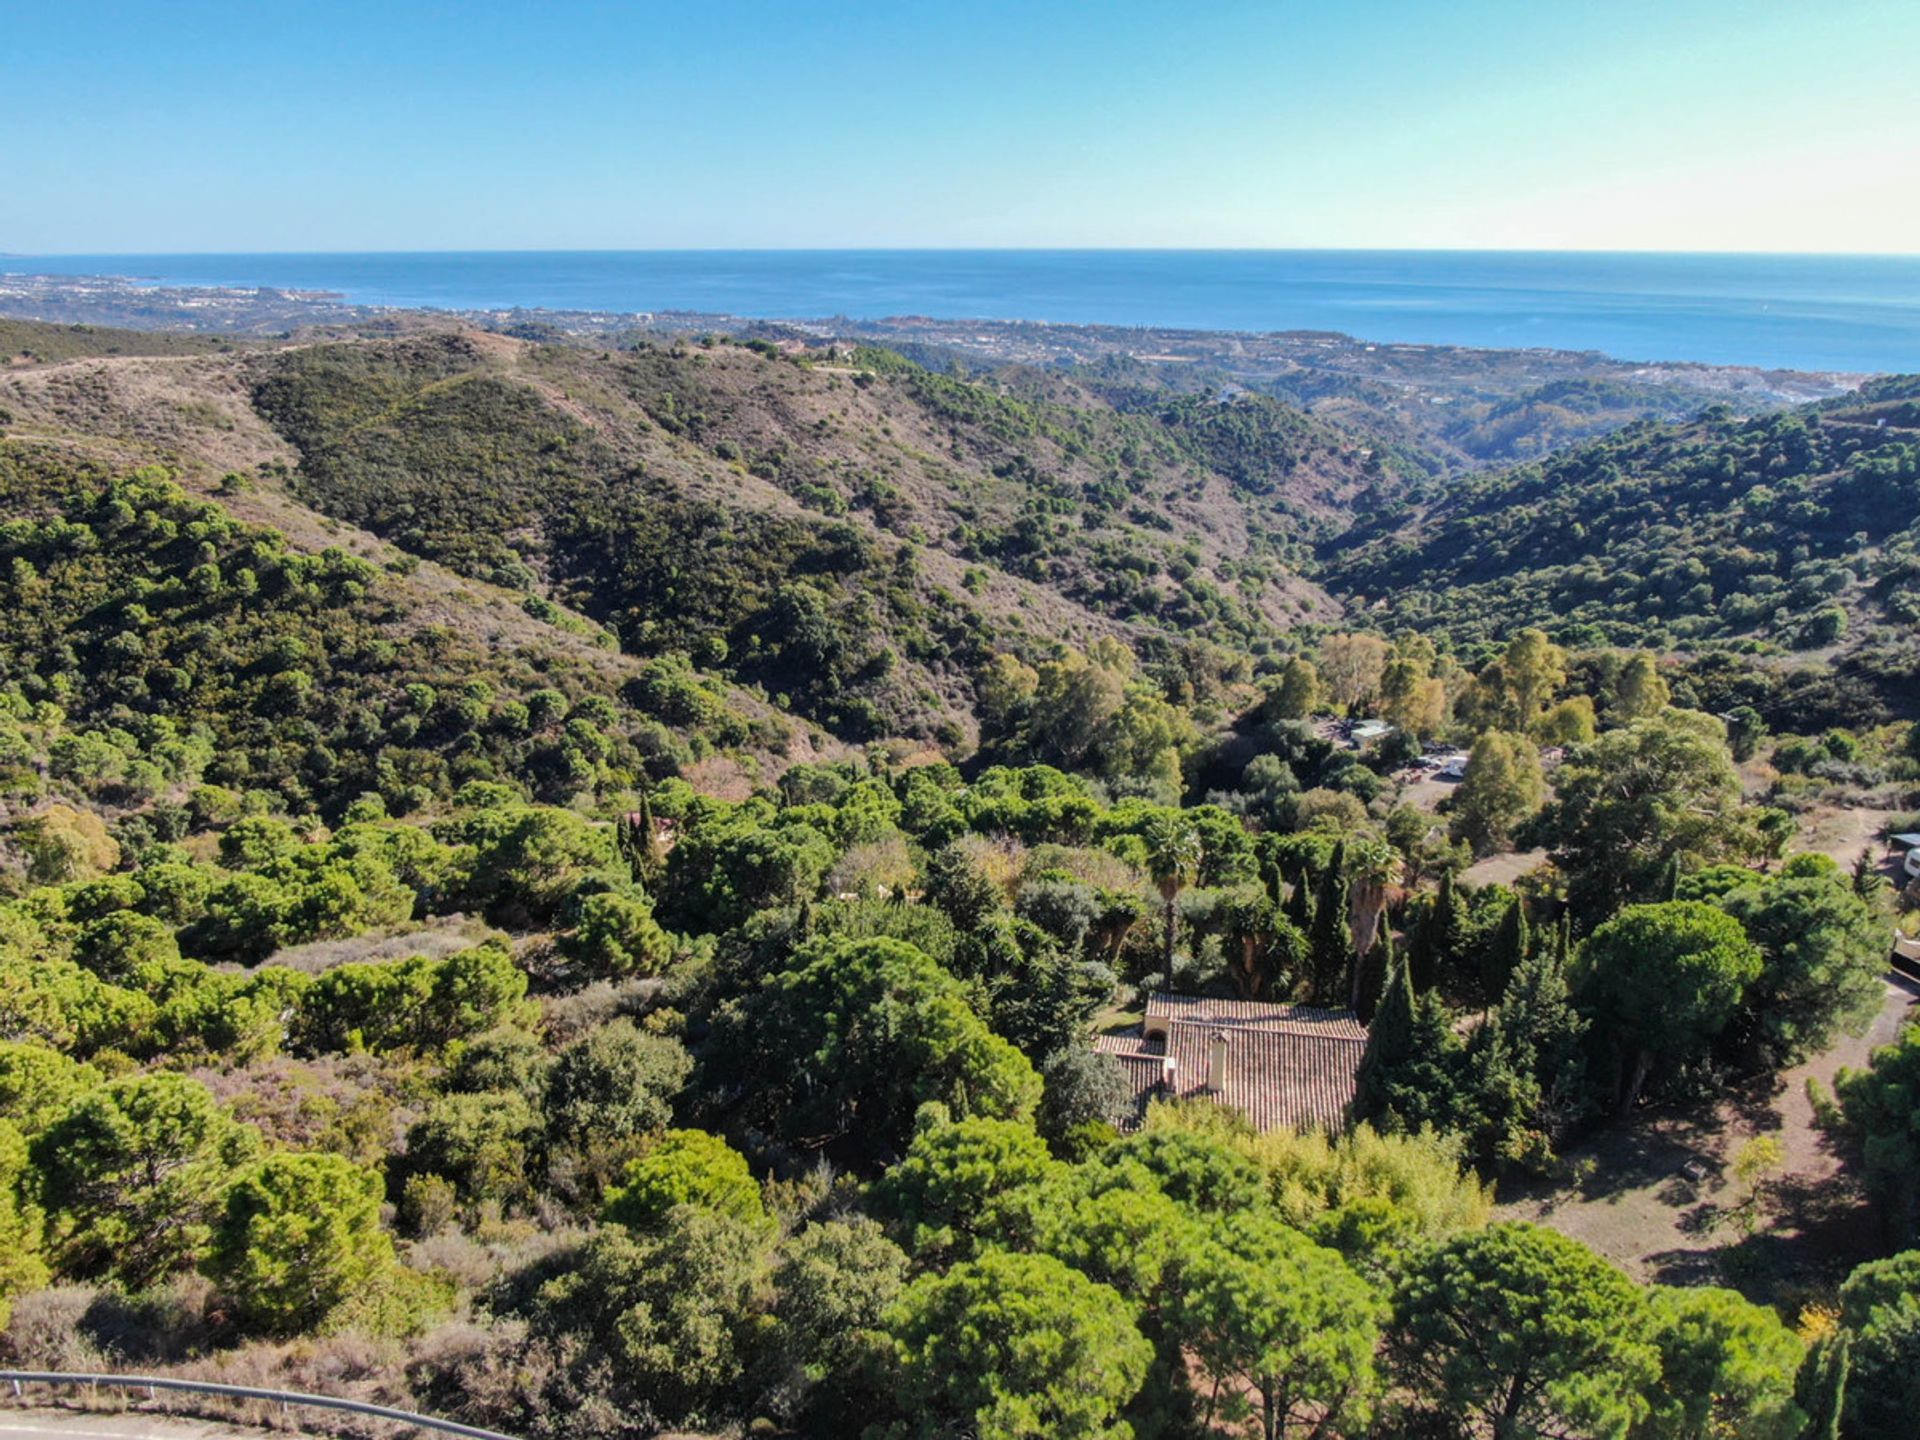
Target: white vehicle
1909	862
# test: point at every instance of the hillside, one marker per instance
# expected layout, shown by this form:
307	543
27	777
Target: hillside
853	536
1437	408
150	617
452	951
26	342
1792	531
850	532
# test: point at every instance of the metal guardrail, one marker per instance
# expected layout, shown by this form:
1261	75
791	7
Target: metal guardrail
19	1379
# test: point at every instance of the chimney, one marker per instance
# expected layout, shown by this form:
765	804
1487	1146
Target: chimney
1217	1062
1167	1068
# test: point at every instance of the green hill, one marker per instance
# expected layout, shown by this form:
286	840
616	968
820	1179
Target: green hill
1790	530
850	532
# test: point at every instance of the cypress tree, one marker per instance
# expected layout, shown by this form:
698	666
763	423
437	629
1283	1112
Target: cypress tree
1389	1047
1375	971
1538	1010
1427	1088
1330	941
1446	908
1668	887
1511	941
1423	944
1299	905
1419	917
639	845
1273	875
1526	1066
625	842
1410	1075
1820	1387
1435	941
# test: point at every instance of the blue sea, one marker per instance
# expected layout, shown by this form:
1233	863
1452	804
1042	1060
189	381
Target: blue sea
1808	312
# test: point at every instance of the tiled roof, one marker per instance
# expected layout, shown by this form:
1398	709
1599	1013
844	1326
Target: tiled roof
1287	1066
1255	1014
1143	1068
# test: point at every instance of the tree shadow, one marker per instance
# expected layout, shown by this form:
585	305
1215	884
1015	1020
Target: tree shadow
1806	1234
1677	1153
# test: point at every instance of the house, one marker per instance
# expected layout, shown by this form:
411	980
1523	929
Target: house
1282	1066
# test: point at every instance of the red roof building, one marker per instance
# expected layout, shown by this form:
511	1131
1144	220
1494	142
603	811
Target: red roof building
1286	1067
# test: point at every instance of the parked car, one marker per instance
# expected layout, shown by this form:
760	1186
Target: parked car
1910	861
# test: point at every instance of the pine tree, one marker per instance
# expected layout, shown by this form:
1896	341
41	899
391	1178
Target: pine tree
1820	1389
1330	940
1868	882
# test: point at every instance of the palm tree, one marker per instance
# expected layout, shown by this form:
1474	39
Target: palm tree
1373	869
1173	859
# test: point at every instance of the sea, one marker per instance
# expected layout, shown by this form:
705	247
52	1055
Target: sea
1803	312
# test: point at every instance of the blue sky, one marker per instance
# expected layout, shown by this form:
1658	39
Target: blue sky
282	125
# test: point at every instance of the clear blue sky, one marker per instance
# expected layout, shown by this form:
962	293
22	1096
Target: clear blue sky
176	125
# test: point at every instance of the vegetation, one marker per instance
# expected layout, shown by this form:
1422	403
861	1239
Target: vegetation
1767	528
558	1012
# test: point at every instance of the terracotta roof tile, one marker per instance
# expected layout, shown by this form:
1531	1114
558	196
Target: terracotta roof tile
1207	1010
1287	1066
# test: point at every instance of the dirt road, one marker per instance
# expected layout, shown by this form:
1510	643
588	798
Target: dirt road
1659	1198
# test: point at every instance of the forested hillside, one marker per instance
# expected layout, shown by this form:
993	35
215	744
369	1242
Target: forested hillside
581	890
1786	529
850	531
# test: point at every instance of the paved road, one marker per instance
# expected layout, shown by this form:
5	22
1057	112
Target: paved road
25	1424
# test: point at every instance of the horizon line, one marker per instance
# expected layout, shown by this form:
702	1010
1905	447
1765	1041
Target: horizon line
992	250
